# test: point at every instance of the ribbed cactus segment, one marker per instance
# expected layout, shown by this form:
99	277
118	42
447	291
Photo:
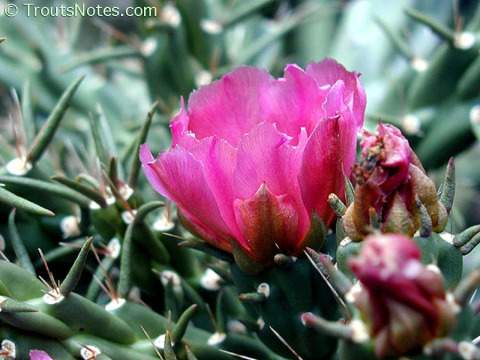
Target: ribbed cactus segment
47	132
288	290
9	198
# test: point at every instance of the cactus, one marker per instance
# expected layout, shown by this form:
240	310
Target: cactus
145	278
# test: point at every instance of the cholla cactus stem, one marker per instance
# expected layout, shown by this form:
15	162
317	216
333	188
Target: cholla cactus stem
190	354
151	342
18	245
47	132
439	347
332	328
338	283
145	209
125	279
13	200
225	275
466	236
464	290
284	342
253	298
85	190
168	350
469	246
111	293
442	31
182	323
322	263
9	305
73	276
47	187
54	288
283	260
396	40
132	178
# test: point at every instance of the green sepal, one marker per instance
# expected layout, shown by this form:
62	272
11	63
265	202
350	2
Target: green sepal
317	234
244	261
207	249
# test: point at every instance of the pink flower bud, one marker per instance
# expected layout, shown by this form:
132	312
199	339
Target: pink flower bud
39	355
254	157
402	301
389	180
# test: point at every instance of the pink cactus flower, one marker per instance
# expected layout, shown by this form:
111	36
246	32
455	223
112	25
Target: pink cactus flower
390	180
39	355
254	156
402	301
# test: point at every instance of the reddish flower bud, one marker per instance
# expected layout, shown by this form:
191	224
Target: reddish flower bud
391	180
402	301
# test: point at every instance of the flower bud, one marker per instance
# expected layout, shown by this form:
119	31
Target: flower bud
391	182
402	301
